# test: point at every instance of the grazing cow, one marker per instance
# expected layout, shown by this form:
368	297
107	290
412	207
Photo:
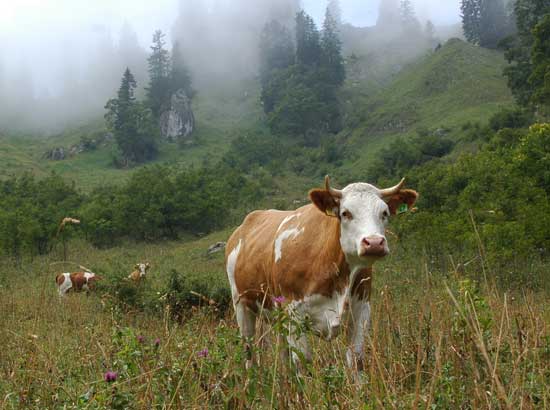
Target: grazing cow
76	282
140	271
318	258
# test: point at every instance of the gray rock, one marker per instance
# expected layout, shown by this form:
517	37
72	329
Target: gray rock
55	154
217	247
177	119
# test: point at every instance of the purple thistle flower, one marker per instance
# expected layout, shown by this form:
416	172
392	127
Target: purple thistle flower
110	376
203	353
157	342
140	339
279	300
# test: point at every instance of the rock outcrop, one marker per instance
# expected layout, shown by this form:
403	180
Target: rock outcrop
55	154
177	119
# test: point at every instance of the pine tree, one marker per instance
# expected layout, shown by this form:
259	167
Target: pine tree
528	14
276	54
331	46
471	20
131	123
308	47
540	77
159	74
429	32
493	23
408	17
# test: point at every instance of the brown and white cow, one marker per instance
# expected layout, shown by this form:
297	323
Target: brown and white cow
140	270
318	257
76	282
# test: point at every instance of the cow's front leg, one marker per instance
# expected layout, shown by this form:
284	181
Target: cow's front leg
246	319
359	325
299	346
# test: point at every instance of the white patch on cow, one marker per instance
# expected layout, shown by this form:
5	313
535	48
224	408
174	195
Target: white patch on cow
231	265
289	233
287	219
65	285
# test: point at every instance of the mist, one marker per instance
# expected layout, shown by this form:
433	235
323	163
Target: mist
60	60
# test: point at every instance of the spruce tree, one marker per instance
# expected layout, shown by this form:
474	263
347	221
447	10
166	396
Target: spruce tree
159	74
408	17
471	20
308	47
540	77
131	123
331	46
492	22
276	54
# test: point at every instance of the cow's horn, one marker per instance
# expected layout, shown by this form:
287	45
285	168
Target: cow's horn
393	190
334	192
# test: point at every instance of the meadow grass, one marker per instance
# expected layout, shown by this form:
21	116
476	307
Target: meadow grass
441	337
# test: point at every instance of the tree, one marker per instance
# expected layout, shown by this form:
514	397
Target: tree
331	46
276	49
528	13
131	123
493	23
408	17
276	53
159	74
471	15
308	47
540	76
484	22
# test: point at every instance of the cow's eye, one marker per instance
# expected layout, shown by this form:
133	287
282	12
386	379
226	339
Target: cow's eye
347	215
386	214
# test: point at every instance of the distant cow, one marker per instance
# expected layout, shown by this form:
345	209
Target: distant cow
318	259
140	271
76	282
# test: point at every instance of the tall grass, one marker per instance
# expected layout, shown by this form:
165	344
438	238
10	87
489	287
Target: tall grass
439	339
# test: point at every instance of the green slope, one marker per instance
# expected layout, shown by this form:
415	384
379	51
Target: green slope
456	84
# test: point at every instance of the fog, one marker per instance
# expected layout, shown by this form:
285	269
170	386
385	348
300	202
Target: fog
60	60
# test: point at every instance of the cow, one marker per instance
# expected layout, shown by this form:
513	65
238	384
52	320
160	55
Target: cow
140	270
76	282
318	259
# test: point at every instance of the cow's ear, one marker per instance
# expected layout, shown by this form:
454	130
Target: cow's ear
323	200
405	197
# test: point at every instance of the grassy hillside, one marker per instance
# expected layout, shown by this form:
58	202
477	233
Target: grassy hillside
221	116
456	84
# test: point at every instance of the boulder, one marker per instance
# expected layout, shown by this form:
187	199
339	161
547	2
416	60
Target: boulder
55	154
217	247
177	119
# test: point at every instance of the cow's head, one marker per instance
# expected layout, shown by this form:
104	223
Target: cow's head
142	268
363	211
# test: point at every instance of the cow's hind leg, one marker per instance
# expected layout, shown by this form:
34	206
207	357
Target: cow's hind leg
246	319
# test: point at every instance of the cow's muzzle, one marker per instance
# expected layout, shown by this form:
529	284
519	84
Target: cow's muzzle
374	246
